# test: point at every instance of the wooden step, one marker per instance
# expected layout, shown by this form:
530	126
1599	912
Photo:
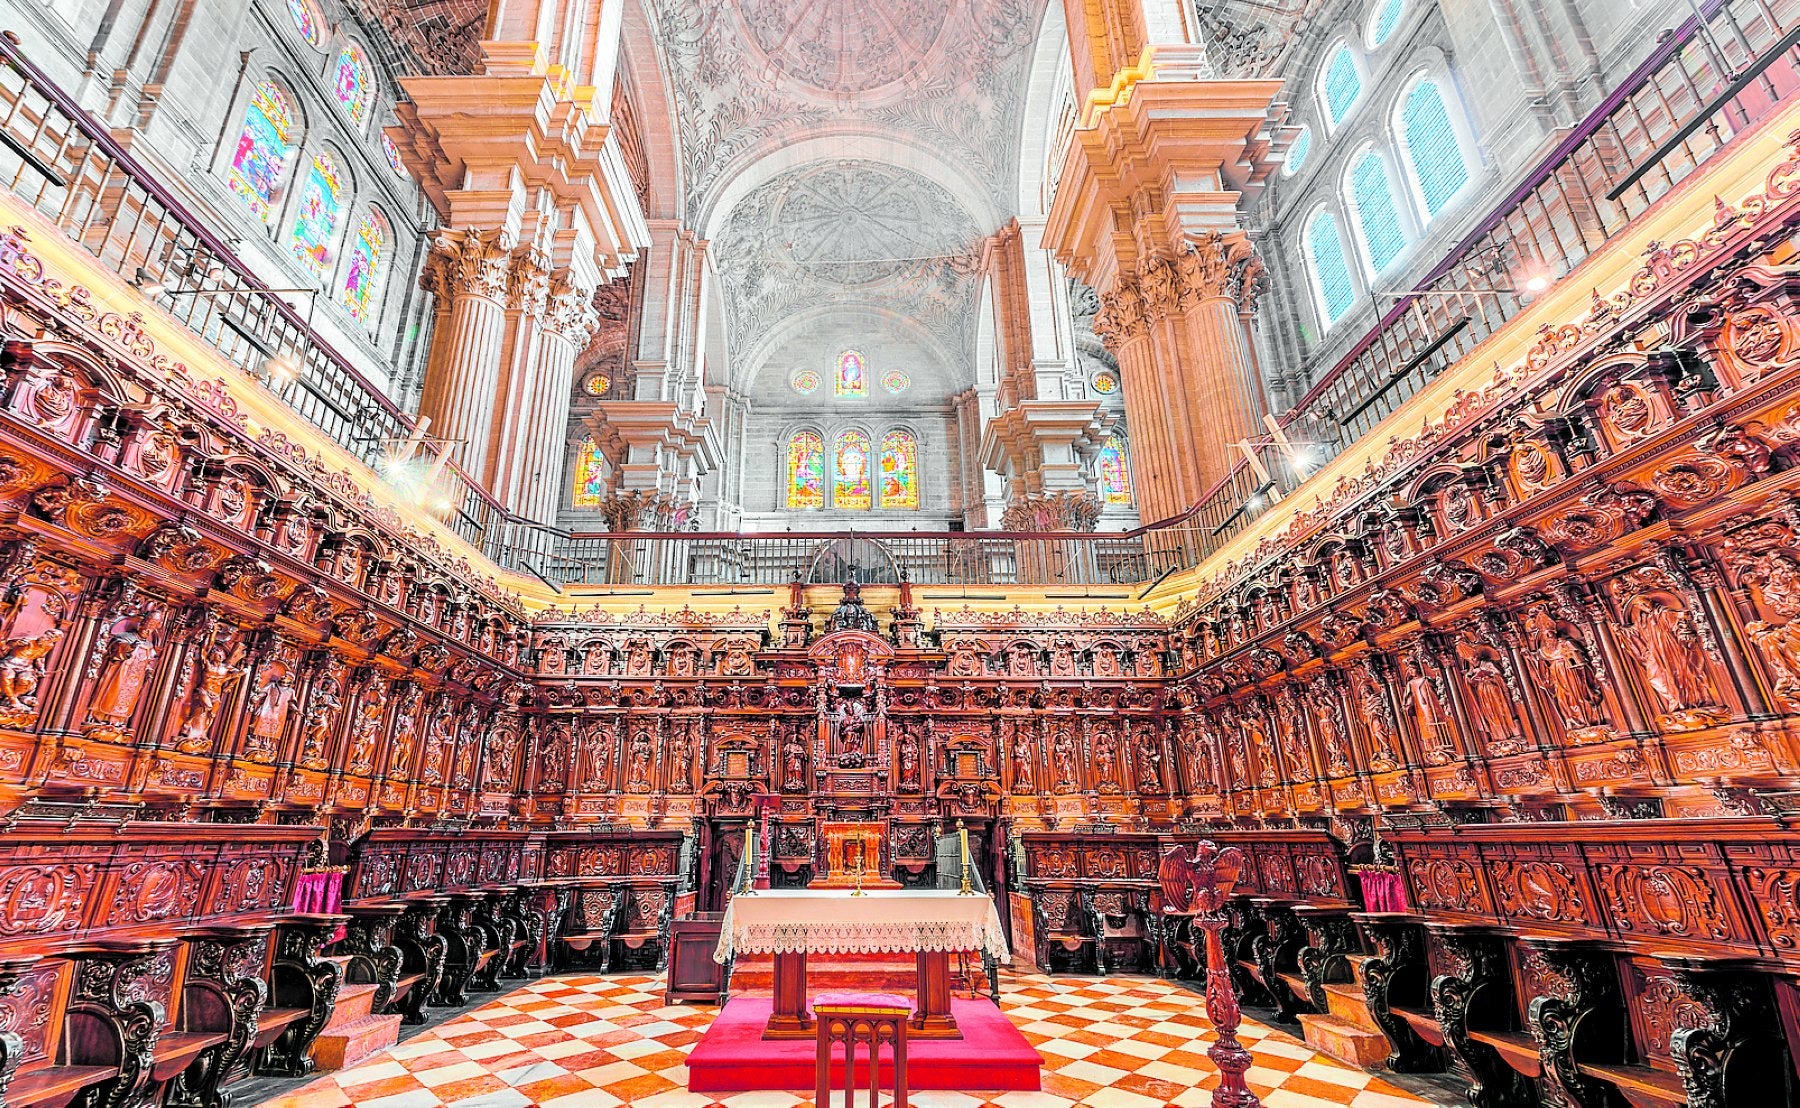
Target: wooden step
1642	1086
354	1003
342	1047
1348	1003
1344	1040
1518	1048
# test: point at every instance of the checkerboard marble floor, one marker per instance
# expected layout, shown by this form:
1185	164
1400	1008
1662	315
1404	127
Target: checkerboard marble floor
593	1042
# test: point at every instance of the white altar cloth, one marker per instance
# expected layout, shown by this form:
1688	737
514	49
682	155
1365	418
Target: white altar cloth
832	921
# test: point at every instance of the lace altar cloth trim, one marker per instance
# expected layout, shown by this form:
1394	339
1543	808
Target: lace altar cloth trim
792	921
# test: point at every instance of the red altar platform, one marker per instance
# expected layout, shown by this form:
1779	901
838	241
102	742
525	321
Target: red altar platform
991	1055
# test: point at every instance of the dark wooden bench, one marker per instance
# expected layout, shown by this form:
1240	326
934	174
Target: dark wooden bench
41	1070
1478	1013
422	955
301	979
1064	926
1396	989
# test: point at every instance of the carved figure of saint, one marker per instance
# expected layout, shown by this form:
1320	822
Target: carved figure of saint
793	761
1331	731
268	715
129	657
1663	639
366	729
964	663
680	762
1024	772
316	732
639	779
405	731
1106	763
1421	699
437	741
22	667
1062	750
909	761
596	658
1258	731
853	740
637	659
1062	659
214	672
1149	765
1106	661
1493	706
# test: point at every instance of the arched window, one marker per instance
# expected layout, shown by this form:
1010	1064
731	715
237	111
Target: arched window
1115	474
308	21
806	470
1438	169
1384	20
852	377
367	251
1296	155
391	154
264	146
1342	84
851	489
321	202
353	84
1376	216
1330	269
900	471
590	476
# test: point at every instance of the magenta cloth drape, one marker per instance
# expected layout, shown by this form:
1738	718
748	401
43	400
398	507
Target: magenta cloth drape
1383	892
320	894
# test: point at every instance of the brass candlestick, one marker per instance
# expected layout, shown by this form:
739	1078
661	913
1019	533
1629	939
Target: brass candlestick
749	888
862	846
962	834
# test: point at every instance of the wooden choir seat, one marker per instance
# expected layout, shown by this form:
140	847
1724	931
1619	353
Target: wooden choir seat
1067	937
611	924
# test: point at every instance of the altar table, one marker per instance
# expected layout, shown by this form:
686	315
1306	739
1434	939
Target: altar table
929	923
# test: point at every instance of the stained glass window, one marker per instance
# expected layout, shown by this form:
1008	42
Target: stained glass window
263	148
899	471
1386	18
806	471
353	84
851	489
1437	162
1115	475
307	21
1376	216
805	381
589	474
392	154
1330	269
1343	84
1106	383
895	381
367	251
852	377
321	200
597	384
1296	155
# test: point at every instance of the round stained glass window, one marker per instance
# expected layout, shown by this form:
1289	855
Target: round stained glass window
805	381
1106	383
895	381
308	21
597	384
392	154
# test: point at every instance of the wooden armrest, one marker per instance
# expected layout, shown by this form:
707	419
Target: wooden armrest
1654	1084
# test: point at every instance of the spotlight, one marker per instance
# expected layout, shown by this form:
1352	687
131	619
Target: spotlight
282	369
1536	283
148	284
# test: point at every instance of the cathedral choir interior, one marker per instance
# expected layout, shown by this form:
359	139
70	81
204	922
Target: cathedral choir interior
963	553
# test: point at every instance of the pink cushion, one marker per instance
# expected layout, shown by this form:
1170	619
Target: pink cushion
878	1001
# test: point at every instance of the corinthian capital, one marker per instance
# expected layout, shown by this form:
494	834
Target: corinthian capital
467	263
1121	315
1216	266
569	311
1058	511
1158	284
646	510
528	281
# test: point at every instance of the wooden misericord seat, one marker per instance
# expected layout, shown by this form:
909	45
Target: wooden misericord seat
872	1020
585	937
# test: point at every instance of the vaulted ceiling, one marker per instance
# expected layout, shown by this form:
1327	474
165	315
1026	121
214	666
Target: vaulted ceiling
845	159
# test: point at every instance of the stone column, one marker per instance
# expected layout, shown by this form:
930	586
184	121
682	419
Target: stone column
1148	215
569	321
469	270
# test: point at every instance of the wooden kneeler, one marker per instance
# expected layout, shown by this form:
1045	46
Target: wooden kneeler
873	1019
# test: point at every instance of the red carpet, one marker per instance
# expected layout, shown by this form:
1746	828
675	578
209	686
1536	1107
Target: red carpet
733	1058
